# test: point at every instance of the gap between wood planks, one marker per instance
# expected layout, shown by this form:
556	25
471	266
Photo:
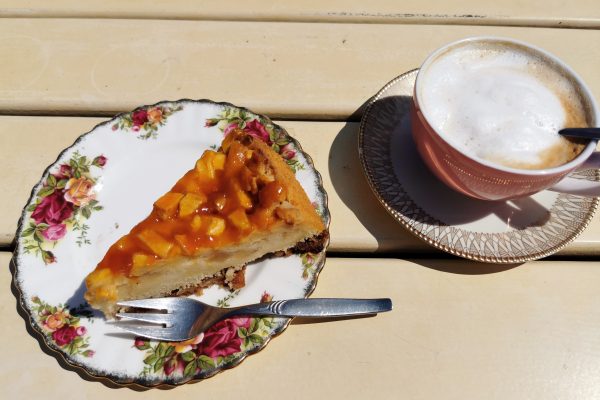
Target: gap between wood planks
433	255
354	117
340	18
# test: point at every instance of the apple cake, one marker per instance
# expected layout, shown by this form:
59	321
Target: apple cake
236	205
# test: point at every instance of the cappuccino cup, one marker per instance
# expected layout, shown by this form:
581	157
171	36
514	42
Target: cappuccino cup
485	117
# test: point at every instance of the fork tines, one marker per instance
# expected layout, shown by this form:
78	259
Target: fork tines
164	303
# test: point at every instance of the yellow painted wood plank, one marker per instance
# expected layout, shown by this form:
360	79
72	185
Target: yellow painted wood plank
295	70
359	223
458	330
559	13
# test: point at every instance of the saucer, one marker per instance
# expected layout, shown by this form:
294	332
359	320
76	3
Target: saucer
502	232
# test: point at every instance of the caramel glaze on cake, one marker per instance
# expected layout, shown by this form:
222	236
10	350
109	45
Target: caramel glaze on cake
236	205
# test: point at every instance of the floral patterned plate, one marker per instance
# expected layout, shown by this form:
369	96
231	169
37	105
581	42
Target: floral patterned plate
95	192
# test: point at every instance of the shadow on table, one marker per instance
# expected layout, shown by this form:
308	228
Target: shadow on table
350	184
460	266
310	320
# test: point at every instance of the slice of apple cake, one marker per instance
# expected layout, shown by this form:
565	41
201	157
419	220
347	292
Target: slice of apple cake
236	205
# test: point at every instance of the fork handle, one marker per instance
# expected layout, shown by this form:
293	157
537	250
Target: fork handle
316	307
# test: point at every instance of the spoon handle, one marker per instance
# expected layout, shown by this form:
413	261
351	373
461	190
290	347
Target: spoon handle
584	133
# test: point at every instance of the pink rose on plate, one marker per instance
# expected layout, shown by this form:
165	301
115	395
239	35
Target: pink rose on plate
221	339
211	122
256	129
242	322
53	209
266	297
64	335
64	172
99	161
89	353
229	128
79	191
287	151
139	117
80	330
55	232
48	257
174	365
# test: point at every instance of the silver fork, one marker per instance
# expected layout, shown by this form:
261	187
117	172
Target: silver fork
186	318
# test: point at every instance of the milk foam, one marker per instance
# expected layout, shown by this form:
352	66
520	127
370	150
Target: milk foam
497	105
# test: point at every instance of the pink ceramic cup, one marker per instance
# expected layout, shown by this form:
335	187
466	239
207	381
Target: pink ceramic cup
485	180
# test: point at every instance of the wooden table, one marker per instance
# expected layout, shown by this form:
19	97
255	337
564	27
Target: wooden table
459	329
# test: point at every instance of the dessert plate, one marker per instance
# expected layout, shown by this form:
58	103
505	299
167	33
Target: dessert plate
496	232
95	192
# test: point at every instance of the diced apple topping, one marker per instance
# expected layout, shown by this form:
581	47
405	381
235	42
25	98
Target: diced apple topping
235	159
175	251
123	243
227	142
272	193
215	226
183	242
156	243
140	259
196	223
101	276
205	169
220	201
192	186
213	161
218	161
208	155
190	203
167	205
263	217
243	199
239	219
140	263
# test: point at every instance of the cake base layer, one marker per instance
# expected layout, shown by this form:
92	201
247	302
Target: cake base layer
188	275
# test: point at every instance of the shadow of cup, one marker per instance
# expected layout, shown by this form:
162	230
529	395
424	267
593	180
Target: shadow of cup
350	184
449	208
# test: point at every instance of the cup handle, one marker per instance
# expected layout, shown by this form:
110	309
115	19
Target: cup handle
581	187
